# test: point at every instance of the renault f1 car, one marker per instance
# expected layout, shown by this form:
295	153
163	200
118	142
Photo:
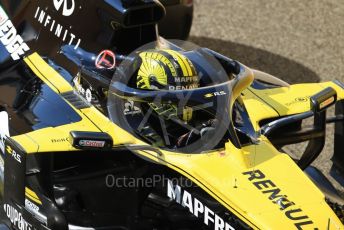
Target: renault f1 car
76	154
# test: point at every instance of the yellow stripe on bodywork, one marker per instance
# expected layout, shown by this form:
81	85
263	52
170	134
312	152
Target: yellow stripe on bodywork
43	140
32	195
119	135
47	74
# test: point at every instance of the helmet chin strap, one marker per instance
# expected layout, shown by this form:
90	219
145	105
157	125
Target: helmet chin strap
154	83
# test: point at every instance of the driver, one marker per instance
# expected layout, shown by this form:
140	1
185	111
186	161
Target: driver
171	70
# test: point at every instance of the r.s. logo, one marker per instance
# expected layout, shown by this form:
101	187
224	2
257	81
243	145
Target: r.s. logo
67	8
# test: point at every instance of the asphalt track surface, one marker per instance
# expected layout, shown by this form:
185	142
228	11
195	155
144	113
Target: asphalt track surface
297	41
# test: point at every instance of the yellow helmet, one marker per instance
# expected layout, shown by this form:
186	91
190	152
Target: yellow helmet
169	70
166	69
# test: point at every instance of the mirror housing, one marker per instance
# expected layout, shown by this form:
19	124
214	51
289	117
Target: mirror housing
324	99
90	140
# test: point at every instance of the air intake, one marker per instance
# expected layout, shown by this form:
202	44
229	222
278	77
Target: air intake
130	13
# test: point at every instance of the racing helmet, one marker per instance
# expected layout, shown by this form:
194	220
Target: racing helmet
167	70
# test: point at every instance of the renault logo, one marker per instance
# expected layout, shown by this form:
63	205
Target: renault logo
67	8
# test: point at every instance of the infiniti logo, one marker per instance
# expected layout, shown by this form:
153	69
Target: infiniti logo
60	31
67	9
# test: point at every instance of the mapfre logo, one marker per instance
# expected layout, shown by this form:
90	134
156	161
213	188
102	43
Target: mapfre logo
67	6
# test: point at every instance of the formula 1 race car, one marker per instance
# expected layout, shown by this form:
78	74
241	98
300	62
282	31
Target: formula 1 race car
99	130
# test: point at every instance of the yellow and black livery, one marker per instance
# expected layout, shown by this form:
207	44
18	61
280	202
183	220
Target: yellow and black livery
55	179
66	165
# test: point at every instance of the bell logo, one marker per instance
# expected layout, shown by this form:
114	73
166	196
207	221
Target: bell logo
67	8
